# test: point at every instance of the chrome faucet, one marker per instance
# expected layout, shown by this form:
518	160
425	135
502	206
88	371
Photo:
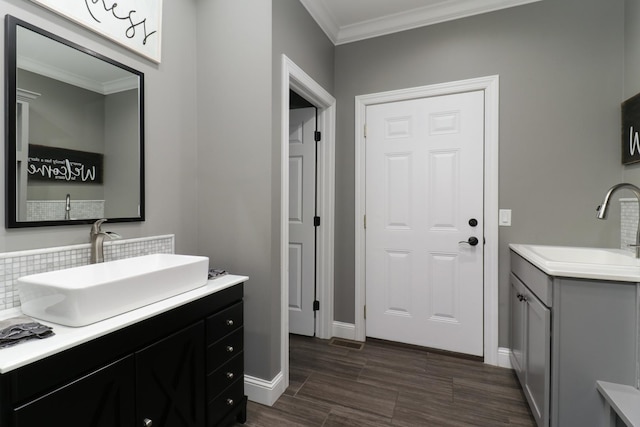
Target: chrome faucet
67	207
602	209
97	241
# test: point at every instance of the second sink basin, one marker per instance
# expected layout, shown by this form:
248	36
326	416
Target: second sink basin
585	255
581	262
83	295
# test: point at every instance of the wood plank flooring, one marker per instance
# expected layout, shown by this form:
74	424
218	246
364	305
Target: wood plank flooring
386	384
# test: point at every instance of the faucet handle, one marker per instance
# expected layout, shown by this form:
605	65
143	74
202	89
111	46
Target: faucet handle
95	228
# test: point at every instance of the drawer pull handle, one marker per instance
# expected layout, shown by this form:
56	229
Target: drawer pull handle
521	297
229	322
230	375
147	422
229	349
230	402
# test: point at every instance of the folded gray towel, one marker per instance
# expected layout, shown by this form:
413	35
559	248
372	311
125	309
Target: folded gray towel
216	272
22	328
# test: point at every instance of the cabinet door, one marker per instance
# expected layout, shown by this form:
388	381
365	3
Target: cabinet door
170	380
517	313
104	398
538	358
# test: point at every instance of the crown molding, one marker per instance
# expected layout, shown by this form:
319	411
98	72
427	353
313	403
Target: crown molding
324	18
447	10
103	88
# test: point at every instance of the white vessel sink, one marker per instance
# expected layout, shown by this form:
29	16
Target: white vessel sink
83	295
590	263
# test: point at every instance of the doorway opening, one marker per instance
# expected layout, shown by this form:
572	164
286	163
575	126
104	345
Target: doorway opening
304	221
295	79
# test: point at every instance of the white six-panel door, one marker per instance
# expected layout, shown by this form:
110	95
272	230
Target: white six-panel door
424	188
301	213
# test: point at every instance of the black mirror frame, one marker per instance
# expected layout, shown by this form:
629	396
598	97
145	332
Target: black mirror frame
11	221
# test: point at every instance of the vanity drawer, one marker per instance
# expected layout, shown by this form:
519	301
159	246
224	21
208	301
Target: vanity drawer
222	377
224	322
225	402
224	349
536	280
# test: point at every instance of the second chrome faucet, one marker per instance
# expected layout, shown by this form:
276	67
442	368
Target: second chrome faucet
602	209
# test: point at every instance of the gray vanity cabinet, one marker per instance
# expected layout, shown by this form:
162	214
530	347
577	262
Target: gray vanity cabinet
567	333
531	347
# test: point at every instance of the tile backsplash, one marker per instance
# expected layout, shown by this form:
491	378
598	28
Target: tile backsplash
16	264
628	224
44	210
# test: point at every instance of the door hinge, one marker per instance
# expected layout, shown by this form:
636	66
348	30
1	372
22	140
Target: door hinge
317	136
365	130
316	221
365	222
316	305
365	311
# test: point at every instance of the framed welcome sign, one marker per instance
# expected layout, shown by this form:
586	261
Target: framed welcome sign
631	130
135	24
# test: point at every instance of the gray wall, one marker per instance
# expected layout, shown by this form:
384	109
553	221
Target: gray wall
236	201
298	36
631	48
170	118
239	48
560	66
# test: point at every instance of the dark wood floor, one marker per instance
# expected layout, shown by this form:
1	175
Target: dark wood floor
389	385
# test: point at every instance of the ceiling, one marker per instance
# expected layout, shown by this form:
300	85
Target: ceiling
346	21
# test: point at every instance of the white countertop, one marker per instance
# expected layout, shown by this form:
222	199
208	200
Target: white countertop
582	262
66	337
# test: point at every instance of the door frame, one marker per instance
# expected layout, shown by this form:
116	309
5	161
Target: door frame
294	78
490	86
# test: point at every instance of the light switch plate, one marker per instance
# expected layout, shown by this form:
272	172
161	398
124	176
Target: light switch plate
504	217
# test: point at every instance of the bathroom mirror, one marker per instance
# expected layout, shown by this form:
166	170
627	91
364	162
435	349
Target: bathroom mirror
74	129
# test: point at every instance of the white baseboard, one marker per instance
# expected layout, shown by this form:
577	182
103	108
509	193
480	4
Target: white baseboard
346	331
504	360
263	391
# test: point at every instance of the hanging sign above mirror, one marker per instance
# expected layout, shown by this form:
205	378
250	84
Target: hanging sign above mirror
135	24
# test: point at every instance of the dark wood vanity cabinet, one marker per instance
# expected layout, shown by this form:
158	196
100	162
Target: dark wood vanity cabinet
170	378
103	398
225	364
182	368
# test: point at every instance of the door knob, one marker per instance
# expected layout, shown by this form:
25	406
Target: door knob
147	422
472	241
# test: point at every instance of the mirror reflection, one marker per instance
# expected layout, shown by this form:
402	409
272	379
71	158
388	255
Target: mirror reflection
74	133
